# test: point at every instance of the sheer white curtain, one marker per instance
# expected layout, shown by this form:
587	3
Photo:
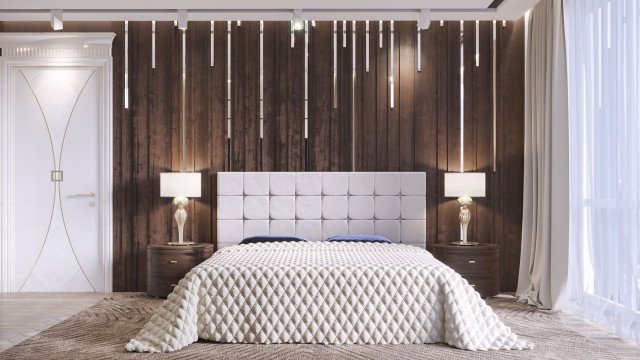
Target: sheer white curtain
603	54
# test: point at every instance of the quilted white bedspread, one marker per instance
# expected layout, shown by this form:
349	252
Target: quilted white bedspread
330	293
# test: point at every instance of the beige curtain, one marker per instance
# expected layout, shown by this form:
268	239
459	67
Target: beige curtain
545	227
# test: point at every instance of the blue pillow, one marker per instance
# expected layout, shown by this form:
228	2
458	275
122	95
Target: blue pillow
271	238
360	238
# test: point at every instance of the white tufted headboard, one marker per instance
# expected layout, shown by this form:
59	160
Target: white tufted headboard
317	205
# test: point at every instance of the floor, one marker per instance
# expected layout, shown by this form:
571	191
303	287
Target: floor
25	314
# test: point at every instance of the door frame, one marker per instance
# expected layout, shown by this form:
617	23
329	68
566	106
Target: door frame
63	50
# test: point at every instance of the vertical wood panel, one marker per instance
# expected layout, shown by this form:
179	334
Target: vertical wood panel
406	43
120	219
448	125
202	135
382	96
393	117
139	75
160	116
427	97
320	95
245	84
369	102
510	148
483	86
359	129
217	115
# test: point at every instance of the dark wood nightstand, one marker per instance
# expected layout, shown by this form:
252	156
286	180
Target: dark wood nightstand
480	265
166	265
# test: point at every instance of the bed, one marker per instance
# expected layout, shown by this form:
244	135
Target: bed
317	291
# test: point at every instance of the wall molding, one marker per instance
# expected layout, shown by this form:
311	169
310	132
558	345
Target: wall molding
56	45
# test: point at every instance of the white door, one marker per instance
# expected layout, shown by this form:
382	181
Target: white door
55	118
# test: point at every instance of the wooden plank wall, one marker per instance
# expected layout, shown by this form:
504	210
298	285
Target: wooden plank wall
359	132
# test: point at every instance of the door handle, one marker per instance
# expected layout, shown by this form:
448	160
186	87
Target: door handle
89	195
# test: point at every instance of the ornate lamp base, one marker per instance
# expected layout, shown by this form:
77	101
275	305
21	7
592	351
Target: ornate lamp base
181	218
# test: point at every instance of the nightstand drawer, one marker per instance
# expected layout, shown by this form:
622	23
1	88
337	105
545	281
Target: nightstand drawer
480	265
485	284
174	263
484	262
167	265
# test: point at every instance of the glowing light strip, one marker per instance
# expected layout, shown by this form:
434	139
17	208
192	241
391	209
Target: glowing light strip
380	33
306	80
153	44
366	52
261	79
335	64
419	50
126	64
212	43
495	92
183	98
392	70
477	43
461	96
228	79
293	36
344	33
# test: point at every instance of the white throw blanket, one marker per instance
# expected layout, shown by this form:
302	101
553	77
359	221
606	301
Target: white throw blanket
329	293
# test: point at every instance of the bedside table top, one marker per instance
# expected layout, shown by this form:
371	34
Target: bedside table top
179	247
481	246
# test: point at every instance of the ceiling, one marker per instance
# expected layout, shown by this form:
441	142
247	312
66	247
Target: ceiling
163	10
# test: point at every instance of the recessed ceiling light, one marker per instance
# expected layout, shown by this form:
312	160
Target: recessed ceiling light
298	21
424	20
56	19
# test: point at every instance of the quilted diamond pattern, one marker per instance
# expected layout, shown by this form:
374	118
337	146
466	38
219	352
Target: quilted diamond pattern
330	293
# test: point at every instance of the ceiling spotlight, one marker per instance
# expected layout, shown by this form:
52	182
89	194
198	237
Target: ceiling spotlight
424	20
56	19
183	18
298	21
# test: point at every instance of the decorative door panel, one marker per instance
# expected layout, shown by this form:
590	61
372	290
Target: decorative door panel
56	114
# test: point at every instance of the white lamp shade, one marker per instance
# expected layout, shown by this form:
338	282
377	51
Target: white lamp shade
464	184
187	184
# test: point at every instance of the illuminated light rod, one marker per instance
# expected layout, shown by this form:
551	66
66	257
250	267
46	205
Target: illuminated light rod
56	19
424	19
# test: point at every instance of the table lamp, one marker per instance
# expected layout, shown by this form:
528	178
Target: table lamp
464	186
180	186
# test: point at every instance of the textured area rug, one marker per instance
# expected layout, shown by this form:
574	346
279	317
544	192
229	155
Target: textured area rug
101	331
